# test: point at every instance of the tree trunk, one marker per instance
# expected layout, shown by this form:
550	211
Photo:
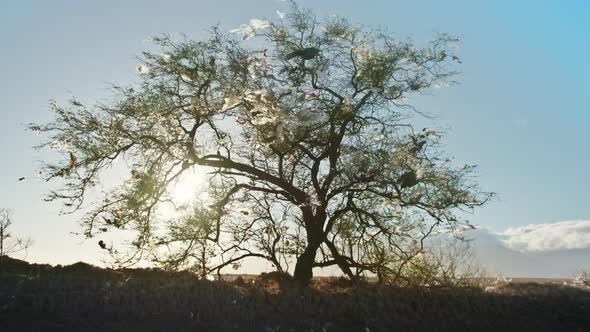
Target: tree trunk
304	266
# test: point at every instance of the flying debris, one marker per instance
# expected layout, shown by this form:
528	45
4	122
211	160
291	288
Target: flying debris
108	220
73	161
186	78
418	145
264	52
102	244
249	30
165	57
22	178
456	58
307	53
311	95
280	14
143	70
408	180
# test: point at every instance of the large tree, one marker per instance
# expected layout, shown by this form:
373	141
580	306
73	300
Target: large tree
304	132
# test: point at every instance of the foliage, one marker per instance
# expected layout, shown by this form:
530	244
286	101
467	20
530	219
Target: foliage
444	261
304	133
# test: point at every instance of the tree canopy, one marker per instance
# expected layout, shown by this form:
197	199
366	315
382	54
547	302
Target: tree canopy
304	132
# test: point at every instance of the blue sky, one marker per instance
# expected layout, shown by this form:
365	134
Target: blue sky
520	111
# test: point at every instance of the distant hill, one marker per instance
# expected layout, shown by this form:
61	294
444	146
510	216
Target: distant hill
498	258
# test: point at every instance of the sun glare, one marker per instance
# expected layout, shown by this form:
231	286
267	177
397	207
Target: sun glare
190	186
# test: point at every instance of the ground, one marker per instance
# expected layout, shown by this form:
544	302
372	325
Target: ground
82	297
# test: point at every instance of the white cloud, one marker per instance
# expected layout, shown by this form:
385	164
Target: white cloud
564	235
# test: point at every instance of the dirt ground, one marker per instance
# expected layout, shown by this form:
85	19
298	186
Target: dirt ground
82	297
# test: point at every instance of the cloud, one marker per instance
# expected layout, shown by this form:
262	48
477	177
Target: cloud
564	235
556	250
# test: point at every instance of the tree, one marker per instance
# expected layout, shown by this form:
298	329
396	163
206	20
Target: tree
304	133
10	244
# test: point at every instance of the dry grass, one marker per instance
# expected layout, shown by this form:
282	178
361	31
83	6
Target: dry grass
85	298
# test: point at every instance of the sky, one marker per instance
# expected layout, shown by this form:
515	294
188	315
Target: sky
519	112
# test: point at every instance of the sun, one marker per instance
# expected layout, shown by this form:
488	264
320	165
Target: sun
190	186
